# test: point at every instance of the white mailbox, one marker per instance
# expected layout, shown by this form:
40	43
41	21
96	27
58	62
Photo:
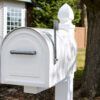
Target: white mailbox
40	58
27	58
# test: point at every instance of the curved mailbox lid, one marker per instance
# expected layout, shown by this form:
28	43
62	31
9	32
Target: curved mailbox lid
29	70
57	71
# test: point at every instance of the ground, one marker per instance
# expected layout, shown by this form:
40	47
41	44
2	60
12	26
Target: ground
9	92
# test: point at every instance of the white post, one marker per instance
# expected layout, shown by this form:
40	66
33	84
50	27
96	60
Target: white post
64	89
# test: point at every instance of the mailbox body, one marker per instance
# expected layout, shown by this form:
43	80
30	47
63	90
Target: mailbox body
27	58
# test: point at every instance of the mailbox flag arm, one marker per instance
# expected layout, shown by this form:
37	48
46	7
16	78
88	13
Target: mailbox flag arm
23	52
55	40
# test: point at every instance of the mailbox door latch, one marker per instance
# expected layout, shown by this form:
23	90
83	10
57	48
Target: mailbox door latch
19	52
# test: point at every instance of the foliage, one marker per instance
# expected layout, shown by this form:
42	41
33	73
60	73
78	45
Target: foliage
46	12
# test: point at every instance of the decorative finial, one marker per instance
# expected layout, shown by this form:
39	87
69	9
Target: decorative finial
65	13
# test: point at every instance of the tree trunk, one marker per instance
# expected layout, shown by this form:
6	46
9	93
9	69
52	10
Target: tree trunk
29	19
91	76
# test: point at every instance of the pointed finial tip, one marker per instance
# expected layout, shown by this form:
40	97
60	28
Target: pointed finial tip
65	13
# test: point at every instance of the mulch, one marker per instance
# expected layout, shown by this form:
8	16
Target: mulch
9	92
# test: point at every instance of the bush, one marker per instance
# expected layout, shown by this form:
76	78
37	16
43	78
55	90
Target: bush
47	10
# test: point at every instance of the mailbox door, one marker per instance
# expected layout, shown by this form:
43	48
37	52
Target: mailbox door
25	59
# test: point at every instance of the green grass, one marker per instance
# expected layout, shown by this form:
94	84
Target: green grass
81	59
80	63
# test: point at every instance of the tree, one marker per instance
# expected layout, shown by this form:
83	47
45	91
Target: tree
91	75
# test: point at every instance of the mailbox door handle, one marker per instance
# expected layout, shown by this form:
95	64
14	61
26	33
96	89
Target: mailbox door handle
22	52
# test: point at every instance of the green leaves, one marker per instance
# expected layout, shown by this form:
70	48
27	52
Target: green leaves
44	15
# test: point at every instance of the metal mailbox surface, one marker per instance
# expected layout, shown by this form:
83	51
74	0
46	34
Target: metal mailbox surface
27	58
